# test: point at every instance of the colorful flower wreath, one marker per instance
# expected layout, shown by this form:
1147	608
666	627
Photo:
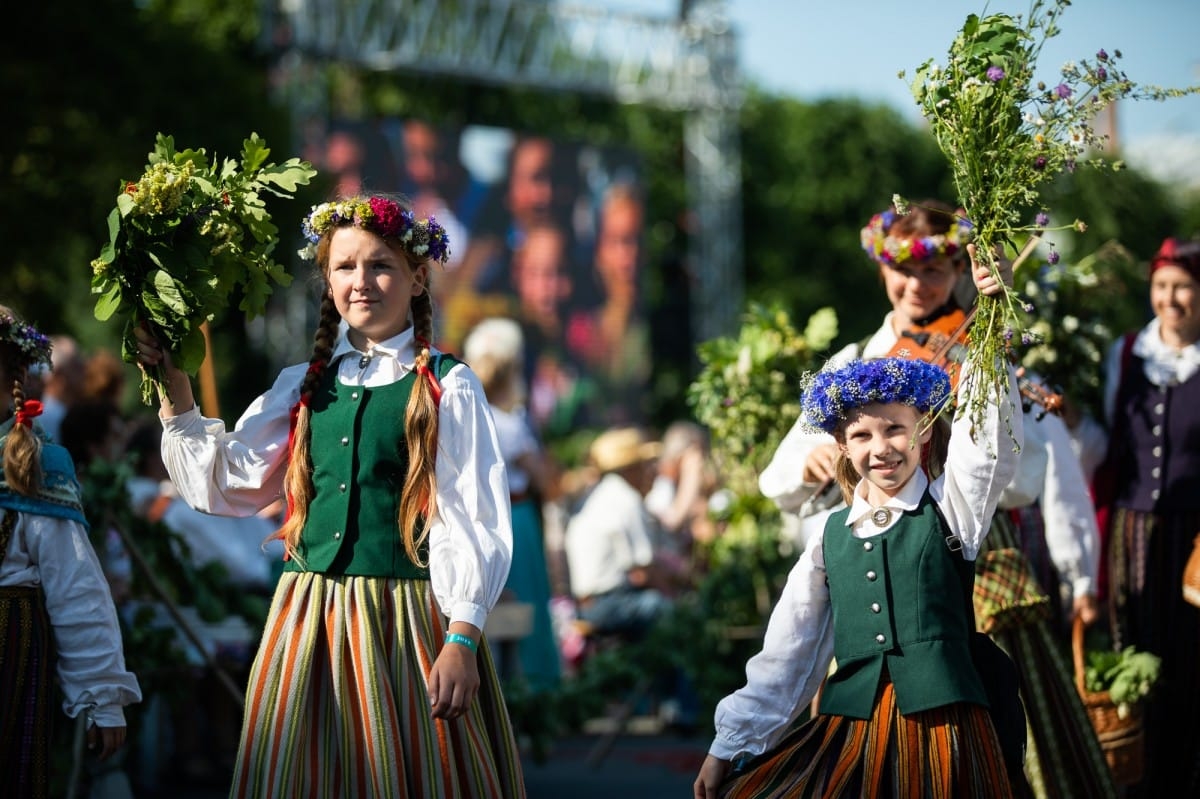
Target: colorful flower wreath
34	345
893	251
831	394
423	238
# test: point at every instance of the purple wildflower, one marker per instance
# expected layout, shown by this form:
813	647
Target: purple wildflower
995	74
1063	91
1041	220
1053	257
1039	162
1102	73
1101	55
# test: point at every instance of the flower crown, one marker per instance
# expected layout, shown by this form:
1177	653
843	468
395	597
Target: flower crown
424	238
893	251
33	345
831	394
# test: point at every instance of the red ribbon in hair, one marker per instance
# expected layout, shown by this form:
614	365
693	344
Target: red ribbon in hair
30	410
423	369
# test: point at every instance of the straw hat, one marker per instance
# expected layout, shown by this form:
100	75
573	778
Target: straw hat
625	446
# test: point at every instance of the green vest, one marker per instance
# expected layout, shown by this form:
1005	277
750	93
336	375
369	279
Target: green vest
360	460
901	602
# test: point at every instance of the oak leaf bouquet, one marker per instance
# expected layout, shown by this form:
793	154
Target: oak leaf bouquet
182	238
1005	134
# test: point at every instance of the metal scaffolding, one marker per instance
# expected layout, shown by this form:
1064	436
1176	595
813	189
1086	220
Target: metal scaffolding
687	64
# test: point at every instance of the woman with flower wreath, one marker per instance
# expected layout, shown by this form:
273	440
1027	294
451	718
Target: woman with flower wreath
58	615
1045	533
885	588
372	678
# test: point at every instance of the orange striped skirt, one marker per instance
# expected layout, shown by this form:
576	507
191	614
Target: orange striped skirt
941	753
337	703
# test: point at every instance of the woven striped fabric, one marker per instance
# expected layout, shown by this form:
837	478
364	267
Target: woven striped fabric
26	684
1063	758
337	703
946	752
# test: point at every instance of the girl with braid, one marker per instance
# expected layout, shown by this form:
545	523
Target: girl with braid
56	612
372	678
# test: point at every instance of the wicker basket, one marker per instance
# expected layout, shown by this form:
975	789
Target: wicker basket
1121	739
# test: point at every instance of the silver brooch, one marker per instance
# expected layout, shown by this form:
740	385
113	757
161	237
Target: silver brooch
881	517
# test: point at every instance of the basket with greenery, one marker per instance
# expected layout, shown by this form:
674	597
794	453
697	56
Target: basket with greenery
1112	685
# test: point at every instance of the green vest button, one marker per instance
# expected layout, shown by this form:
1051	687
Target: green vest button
871	575
345	441
875	607
337	535
868	545
879	639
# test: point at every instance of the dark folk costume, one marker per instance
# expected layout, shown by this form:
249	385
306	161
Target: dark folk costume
1155	453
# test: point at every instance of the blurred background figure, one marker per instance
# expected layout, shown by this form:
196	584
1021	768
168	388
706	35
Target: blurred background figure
683	485
104	377
612	337
495	351
94	432
619	583
62	386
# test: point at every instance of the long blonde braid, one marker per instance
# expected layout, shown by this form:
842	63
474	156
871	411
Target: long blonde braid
418	498
297	482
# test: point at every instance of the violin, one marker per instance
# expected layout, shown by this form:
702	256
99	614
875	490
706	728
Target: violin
944	342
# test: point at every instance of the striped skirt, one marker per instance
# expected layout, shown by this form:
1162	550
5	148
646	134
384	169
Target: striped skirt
945	752
338	706
26	692
1063	758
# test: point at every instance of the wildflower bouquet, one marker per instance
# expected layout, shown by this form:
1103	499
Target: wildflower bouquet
182	238
1005	135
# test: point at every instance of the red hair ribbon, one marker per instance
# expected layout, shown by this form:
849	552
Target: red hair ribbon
30	410
434	386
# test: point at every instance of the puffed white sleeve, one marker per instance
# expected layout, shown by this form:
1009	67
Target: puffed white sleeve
783	678
91	659
1069	516
234	472
980	462
470	536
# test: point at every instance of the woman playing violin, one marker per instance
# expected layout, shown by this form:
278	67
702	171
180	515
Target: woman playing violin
1046	511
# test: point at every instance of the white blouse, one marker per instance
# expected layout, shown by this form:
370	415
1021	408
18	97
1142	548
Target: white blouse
57	554
783	678
239	472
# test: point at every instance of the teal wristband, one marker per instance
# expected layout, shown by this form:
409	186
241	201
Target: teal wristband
457	638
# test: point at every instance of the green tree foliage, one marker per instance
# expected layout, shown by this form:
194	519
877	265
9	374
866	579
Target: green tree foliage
87	85
1122	205
813	174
